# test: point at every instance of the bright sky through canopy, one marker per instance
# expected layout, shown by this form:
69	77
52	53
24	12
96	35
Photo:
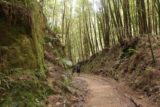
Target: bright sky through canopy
95	4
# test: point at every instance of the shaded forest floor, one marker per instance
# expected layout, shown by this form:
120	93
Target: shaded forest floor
106	92
131	64
136	79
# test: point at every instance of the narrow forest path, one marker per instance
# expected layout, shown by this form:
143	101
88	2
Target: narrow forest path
103	92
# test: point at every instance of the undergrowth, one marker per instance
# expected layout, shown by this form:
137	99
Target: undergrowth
21	88
22	75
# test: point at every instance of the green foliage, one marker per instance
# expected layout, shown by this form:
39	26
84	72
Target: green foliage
22	89
128	52
132	51
56	29
66	62
66	82
22	76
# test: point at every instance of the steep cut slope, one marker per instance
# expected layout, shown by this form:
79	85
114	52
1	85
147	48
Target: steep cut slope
22	75
21	35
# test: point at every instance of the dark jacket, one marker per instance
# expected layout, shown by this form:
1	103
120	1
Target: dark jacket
76	68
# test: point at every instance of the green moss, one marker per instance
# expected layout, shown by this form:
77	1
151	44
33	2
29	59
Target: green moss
23	49
16	48
22	89
22	76
9	34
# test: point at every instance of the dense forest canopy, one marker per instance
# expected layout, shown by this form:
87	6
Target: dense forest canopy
86	27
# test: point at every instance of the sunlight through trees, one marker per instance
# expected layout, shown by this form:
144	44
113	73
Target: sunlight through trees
88	26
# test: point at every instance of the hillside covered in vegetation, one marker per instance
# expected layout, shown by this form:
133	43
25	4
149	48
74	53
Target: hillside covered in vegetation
132	64
44	42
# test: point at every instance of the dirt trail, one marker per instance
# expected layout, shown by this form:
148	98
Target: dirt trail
104	93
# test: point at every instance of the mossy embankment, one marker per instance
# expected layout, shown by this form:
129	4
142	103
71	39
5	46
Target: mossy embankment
21	35
22	69
131	62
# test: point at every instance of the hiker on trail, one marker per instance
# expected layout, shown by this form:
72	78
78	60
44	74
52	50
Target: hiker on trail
76	69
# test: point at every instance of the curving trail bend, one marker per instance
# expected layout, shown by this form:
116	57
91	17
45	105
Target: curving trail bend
103	93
